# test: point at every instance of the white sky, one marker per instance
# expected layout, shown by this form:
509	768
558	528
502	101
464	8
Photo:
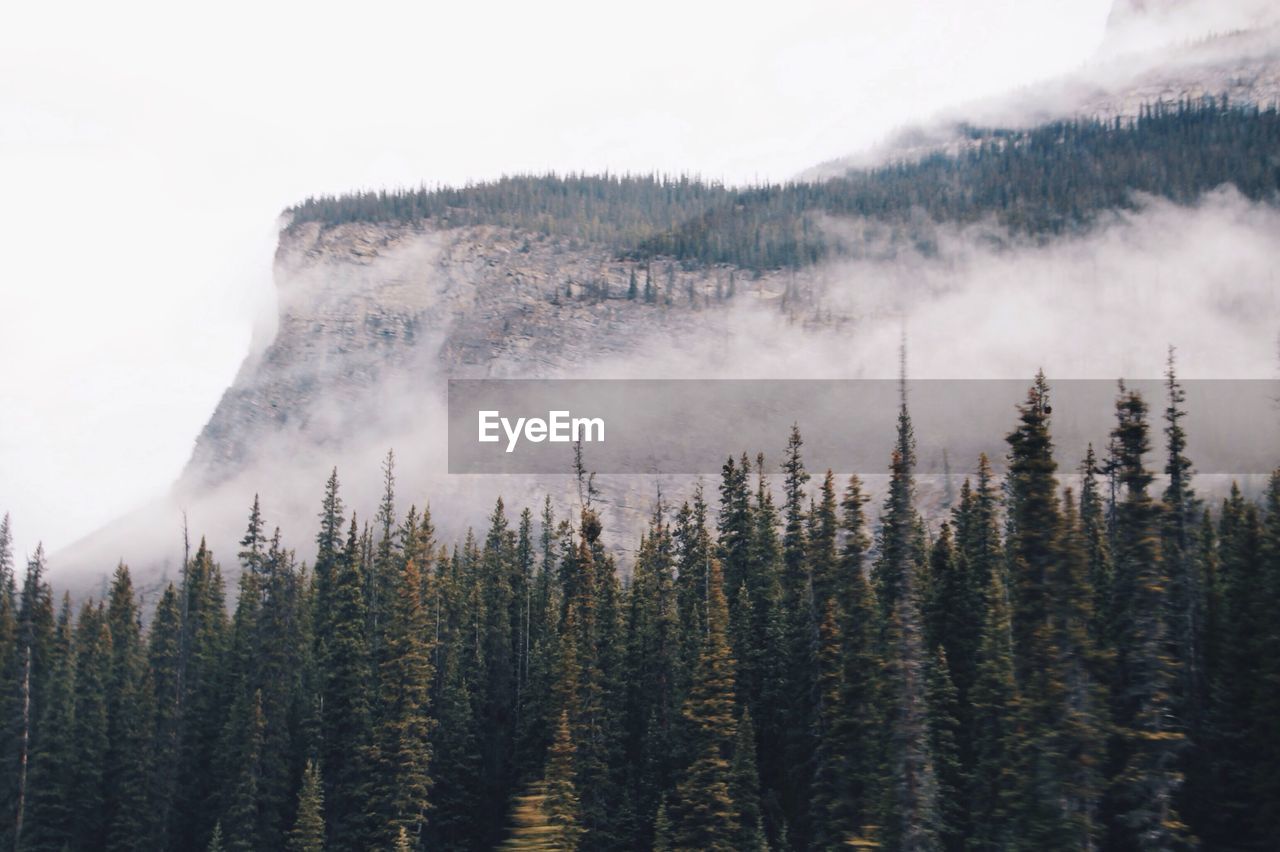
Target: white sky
146	149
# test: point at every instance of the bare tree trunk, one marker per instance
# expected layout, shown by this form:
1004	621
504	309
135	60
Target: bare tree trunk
24	749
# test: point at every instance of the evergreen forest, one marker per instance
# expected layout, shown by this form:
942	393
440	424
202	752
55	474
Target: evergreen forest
780	666
1054	179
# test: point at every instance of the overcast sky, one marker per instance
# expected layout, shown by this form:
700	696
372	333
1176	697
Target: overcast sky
147	148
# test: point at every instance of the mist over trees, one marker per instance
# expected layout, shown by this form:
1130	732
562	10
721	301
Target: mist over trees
1041	668
1050	180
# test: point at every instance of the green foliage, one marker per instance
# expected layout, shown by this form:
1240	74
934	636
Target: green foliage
705	814
403	749
1151	741
307	834
1011	678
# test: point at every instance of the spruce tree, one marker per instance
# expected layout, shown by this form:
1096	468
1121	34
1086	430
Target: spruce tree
799	612
50	808
403	752
307	834
653	652
164	660
829	810
562	805
1241	623
1266	716
125	772
498	608
944	727
910	817
244	745
705	817
11	663
744	789
204	699
1180	515
285	678
995	711
1152	740
1033	550
343	653
24	683
89	732
856	727
1082	672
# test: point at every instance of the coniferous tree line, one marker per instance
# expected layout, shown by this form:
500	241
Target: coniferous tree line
1043	668
1049	180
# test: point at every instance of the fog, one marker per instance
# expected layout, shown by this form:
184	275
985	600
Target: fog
146	150
1103	305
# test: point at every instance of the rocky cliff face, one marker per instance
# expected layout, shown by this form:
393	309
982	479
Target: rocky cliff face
364	307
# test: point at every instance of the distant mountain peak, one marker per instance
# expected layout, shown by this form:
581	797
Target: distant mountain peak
1137	25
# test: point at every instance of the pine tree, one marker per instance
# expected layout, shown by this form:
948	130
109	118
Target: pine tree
734	529
24	681
800	623
11	664
705	818
244	746
1033	550
50	807
215	840
498	601
744	789
1149	780
204	699
770	696
829	810
1265	718
910	816
944	726
89	728
995	734
307	834
1101	571
380	579
1237	621
822	557
978	554
343	654
653	653
850	744
164	660
1180	515
1082	672
129	715
403	752
662	830
455	754
562	806
285	678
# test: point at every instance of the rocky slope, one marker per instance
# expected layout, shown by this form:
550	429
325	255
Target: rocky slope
362	306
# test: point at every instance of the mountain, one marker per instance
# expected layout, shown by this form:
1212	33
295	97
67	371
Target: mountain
1014	240
1153	51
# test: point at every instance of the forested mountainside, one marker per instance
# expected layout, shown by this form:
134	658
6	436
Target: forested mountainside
1046	181
1043	670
